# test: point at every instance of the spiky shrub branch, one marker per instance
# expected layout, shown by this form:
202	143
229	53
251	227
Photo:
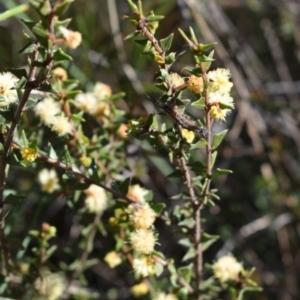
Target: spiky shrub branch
83	166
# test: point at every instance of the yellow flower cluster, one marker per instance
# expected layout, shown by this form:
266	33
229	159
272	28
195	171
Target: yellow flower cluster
219	86
28	154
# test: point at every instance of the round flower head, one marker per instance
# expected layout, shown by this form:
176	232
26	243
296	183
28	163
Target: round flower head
28	154
96	200
218	113
137	193
60	73
143	241
195	84
102	111
72	38
102	91
7	94
144	265
112	259
48	180
86	102
225	99
174	80
50	286
61	125
141	216
163	296
220	80
188	135
140	290
227	268
47	109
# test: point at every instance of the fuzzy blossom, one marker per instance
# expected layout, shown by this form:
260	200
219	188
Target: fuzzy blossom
144	265
102	91
28	154
195	84
141	216
175	80
137	193
61	125
189	135
86	102
102	111
220	80
96	200
47	109
143	241
218	113
140	290
72	38
48	231
225	99
48	180
50	286
121	132
112	259
60	73
227	268
7	94
163	296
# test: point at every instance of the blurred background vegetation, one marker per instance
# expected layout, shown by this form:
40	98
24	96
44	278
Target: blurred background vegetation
259	41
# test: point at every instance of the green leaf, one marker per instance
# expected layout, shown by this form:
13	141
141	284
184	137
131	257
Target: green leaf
200	144
154	18
248	289
51	152
124	186
220	172
173	277
11	13
213	158
62	7
28	48
218	138
72	94
186	272
13	199
227	105
199	103
205	47
185	242
50	251
19	72
207	240
24	139
207	64
60	56
131	35
170	58
194	70
198	168
118	96
21	84
166	43
42	7
8	114
191	253
158	207
45	87
158	269
176	174
188	222
66	158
